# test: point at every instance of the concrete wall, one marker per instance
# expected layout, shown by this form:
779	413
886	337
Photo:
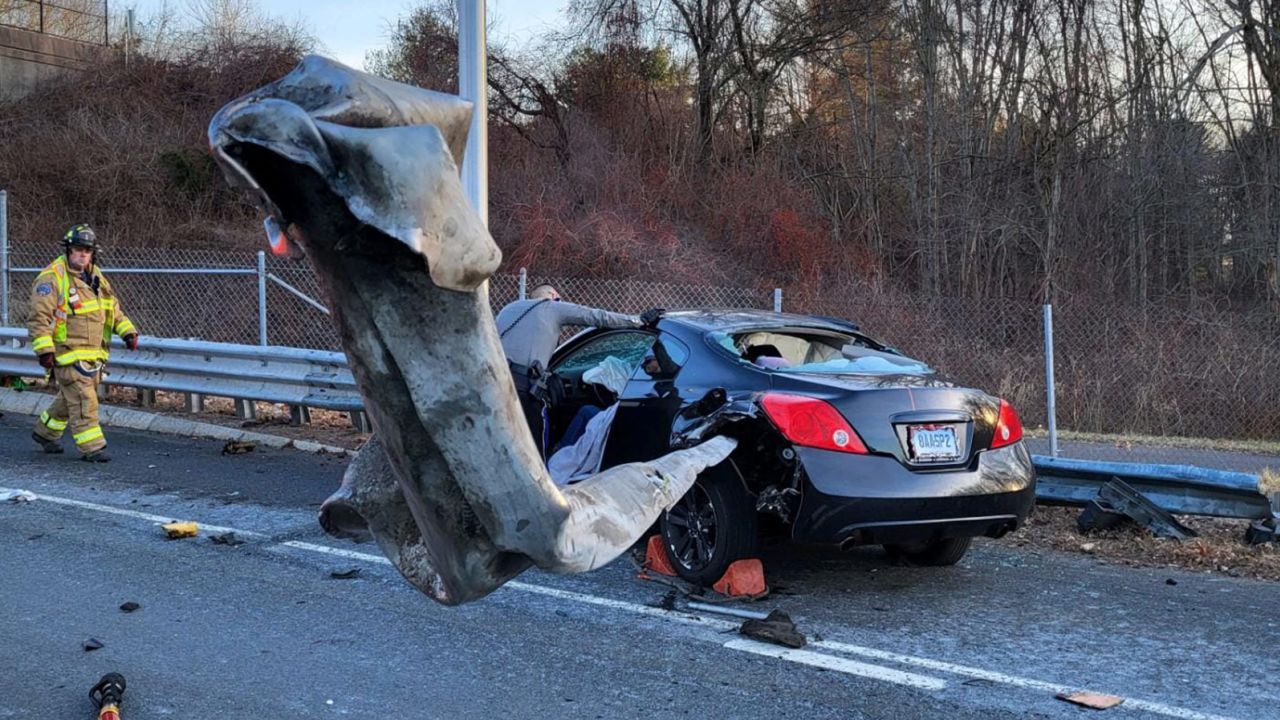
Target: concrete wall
30	58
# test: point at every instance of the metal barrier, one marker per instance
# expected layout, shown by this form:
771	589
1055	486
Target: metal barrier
1180	489
302	378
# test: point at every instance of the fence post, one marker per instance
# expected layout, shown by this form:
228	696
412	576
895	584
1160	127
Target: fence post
777	299
262	298
524	283
4	258
1048	379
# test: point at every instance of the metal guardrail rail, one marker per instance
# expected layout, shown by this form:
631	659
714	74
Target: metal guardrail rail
321	379
1179	489
292	376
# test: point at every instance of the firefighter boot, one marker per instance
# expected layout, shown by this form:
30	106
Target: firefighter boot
49	446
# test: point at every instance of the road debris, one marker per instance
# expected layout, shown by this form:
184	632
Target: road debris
1096	701
129	606
93	644
226	538
731	611
1117	500
1170	581
238	447
178	530
345	574
776	628
107	696
17	496
1260	532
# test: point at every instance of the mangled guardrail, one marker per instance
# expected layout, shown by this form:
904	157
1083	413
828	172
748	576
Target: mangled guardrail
1179	489
293	376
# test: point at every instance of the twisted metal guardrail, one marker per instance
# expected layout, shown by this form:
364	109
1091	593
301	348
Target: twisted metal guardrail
1179	489
292	376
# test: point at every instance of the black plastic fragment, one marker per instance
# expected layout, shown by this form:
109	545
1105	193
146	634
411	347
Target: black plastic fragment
1121	497
1098	515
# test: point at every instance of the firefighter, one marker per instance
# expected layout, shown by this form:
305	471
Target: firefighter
73	315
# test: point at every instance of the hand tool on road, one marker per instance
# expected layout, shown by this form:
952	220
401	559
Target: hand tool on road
107	696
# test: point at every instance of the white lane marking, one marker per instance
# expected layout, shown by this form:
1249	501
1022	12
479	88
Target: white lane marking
157	519
1012	680
939	665
839	664
339	552
687	618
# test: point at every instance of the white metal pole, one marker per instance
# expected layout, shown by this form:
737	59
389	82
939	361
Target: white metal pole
524	284
4	258
473	86
1048	379
262	298
777	299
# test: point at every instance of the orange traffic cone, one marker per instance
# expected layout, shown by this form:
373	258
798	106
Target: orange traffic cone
655	557
744	578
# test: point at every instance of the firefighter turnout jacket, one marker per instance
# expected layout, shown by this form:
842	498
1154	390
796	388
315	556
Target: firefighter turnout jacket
73	315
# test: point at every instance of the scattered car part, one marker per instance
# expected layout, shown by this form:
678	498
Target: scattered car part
730	611
1260	532
1118	496
1096	701
1097	515
776	628
178	530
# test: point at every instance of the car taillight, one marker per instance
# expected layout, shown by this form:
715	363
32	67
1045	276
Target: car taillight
1008	427
811	422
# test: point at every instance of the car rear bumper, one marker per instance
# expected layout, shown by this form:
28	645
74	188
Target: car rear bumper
858	500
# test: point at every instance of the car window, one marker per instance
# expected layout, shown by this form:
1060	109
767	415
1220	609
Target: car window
663	360
628	346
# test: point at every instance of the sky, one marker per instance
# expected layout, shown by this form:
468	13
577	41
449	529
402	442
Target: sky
347	29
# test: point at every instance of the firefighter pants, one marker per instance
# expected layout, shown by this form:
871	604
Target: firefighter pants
76	407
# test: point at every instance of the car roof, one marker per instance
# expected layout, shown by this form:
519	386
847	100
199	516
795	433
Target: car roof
730	320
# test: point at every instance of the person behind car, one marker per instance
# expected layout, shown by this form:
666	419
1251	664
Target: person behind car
529	331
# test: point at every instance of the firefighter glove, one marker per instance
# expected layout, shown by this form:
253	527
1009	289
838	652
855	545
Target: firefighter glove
46	361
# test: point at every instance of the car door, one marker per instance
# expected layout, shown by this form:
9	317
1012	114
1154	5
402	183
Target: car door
648	405
629	346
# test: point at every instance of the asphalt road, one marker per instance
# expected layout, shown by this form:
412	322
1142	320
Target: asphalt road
261	630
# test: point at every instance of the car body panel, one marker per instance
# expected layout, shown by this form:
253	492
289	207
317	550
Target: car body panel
844	498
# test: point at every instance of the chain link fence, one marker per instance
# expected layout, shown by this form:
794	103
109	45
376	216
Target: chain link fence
1201	379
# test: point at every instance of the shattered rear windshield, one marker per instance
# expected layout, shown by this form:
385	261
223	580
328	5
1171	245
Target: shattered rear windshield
816	351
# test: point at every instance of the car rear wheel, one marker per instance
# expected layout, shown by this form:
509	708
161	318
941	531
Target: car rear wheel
713	525
936	554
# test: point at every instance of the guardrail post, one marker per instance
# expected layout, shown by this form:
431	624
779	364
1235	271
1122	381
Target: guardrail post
524	284
262	298
1048	379
146	397
360	421
195	403
246	409
777	299
299	415
4	258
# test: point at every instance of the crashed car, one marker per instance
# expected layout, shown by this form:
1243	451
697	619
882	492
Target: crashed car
848	441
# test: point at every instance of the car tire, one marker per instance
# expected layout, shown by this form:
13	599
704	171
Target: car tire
712	526
938	553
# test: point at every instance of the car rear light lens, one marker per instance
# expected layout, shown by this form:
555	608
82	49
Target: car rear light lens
810	422
1008	427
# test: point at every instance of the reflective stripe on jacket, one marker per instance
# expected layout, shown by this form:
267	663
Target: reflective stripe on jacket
70	318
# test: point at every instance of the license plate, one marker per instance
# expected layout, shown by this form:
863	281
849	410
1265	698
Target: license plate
933	442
